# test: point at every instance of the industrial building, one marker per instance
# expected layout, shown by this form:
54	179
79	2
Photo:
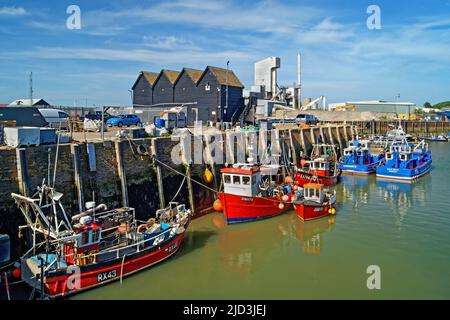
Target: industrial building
213	94
404	110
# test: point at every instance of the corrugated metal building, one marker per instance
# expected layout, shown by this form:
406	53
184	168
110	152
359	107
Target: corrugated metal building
403	109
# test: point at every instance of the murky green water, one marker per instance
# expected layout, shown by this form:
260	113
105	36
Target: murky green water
402	228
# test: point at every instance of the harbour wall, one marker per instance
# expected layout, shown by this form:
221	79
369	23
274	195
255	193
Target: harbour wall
136	172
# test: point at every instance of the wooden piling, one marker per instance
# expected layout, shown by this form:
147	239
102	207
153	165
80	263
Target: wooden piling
291	142
185	154
159	179
75	151
22	171
121	173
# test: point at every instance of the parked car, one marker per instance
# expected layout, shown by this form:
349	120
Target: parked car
307	118
55	117
96	115
123	120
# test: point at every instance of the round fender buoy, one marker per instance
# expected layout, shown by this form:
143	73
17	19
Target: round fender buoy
285	198
208	176
17	272
295	187
217	205
281	206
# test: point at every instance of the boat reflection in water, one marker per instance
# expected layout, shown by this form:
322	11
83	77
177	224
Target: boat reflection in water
310	233
355	189
247	248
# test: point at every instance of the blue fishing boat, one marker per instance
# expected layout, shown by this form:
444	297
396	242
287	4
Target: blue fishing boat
358	160
404	162
440	138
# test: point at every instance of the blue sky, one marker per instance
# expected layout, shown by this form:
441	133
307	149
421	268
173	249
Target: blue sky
341	58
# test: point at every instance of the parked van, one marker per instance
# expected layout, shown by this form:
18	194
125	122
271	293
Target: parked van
56	118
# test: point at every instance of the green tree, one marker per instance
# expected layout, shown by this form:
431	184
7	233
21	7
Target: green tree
427	105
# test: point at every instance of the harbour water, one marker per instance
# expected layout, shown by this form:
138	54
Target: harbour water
402	228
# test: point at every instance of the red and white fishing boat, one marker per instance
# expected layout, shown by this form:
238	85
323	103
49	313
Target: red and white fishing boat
323	165
94	247
250	194
314	202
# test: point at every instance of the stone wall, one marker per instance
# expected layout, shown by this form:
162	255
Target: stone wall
137	180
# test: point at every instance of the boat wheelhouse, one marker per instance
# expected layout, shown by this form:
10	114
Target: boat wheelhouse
405	163
315	202
250	194
322	165
357	158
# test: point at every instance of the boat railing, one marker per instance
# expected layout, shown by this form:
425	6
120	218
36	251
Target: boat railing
93	255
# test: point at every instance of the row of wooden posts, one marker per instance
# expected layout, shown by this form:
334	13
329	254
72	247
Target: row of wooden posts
299	141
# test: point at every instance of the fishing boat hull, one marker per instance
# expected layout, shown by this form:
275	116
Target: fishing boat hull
244	209
301	178
402	174
434	139
311	211
351	169
62	283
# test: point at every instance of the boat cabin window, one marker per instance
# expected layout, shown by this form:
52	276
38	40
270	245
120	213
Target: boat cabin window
84	238
347	152
246	180
389	156
89	236
226	178
96	235
236	180
404	156
312	193
359	153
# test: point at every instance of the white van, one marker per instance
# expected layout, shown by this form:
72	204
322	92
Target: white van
56	118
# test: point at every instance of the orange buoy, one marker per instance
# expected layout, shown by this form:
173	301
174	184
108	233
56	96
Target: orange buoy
217	205
17	273
303	162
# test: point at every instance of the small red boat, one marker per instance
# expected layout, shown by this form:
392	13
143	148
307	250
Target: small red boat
93	247
250	194
322	165
315	202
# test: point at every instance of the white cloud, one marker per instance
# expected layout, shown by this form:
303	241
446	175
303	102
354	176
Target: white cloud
140	55
168	43
12	11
